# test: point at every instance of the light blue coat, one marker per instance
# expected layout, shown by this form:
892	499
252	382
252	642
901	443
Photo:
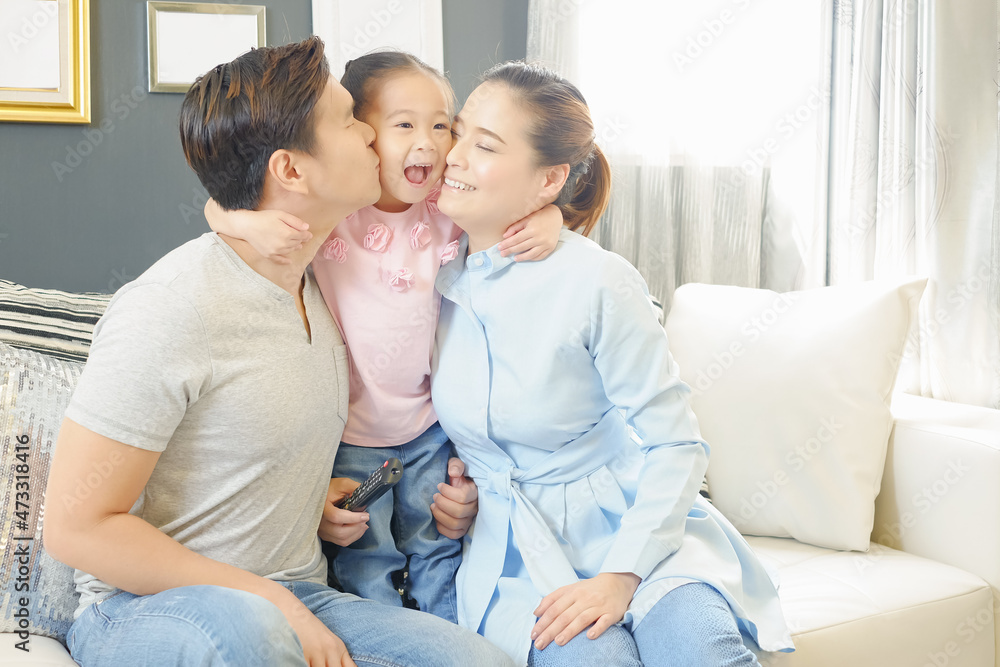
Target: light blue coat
555	383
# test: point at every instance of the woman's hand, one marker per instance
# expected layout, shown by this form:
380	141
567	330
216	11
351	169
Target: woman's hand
534	236
601	602
457	503
320	647
340	526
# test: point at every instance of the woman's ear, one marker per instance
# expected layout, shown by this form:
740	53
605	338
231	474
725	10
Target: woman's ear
284	167
555	177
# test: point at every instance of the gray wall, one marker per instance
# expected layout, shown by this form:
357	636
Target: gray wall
89	207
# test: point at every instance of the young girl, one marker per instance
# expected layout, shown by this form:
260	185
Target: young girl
377	273
592	545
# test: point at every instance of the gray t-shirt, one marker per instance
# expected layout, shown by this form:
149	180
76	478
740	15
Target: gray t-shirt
205	360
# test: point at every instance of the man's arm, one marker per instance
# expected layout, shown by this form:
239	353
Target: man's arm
95	533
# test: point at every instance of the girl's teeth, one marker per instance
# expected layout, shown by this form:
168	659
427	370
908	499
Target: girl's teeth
459	185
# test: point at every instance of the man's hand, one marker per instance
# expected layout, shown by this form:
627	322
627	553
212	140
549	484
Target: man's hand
340	526
600	601
320	646
457	503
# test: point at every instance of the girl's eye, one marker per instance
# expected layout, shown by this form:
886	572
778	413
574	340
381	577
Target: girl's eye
442	126
406	126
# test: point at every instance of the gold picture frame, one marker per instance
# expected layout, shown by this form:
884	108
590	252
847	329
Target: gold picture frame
186	39
62	93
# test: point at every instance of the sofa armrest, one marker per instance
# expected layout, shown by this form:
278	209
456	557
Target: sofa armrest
940	494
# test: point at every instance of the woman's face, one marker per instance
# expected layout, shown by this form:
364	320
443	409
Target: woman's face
491	178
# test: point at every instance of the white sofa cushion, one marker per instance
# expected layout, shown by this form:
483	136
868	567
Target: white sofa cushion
791	392
877	609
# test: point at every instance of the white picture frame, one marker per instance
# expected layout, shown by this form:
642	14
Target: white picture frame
351	28
187	39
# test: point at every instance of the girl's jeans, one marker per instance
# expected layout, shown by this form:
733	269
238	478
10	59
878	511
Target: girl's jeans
401	526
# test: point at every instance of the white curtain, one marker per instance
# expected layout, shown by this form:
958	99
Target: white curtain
790	144
913	178
713	132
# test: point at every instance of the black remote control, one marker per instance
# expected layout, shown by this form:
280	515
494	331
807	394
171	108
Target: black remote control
371	489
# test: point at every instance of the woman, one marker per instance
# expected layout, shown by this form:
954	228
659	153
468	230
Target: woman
568	410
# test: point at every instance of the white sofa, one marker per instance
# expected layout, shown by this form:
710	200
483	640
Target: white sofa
926	598
925	594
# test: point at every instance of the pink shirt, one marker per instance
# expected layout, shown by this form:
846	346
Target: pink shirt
376	272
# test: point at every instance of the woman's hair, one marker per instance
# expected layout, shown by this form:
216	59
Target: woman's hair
362	73
561	132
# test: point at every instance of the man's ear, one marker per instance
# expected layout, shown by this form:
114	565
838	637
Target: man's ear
553	179
284	166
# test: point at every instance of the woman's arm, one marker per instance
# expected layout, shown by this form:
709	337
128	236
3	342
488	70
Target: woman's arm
639	376
95	533
274	234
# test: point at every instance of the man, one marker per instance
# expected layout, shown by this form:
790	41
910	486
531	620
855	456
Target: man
211	407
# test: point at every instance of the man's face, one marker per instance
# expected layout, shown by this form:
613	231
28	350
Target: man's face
343	167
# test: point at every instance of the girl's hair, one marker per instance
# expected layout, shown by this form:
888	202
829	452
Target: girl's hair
361	73
561	132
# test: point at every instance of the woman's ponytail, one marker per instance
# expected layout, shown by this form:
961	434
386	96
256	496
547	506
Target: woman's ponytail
590	195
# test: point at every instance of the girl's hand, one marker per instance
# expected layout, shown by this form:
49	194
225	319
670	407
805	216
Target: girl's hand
601	602
274	234
340	526
457	503
533	237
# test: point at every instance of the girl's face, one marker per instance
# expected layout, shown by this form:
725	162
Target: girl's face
411	116
492	179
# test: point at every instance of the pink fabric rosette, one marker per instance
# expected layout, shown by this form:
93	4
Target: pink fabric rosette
420	235
336	249
378	237
449	253
400	280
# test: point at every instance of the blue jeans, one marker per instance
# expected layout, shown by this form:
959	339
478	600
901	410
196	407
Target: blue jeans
212	626
401	526
691	626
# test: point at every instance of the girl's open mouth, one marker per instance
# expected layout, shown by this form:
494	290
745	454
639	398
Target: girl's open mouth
417	174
